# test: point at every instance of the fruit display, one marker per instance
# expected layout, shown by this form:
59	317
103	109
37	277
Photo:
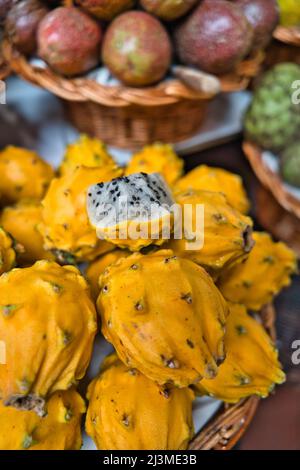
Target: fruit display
228	40
131	211
182	345
290	164
243	374
137	49
23	174
177	315
85	151
48	323
273	119
272	129
265	272
128	411
22	221
139	41
7	252
97	267
22	23
69	41
58	430
289	12
227	234
263	15
205	178
105	9
66	228
168	10
157	158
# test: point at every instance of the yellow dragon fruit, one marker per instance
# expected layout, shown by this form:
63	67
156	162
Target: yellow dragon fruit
66	228
22	221
207	178
97	267
226	233
157	158
7	252
132	211
23	174
47	326
169	323
261	276
127	411
85	151
58	430
251	366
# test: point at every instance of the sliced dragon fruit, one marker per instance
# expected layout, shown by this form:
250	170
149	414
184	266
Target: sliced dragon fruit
132	211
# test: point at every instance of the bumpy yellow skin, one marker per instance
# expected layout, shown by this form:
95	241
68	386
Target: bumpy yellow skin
261	276
97	267
58	430
22	221
138	235
47	324
207	178
251	366
85	151
7	253
66	225
157	158
227	233
289	12
169	323
23	174
127	411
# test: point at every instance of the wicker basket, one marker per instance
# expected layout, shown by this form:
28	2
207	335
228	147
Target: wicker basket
227	427
289	35
129	117
271	179
285	47
280	223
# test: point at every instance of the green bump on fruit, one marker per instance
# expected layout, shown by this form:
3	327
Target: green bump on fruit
290	165
273	120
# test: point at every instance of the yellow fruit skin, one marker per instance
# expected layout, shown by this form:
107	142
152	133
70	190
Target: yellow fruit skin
261	276
58	430
289	12
156	232
127	411
48	324
97	267
7	253
157	158
170	321
22	221
251	366
23	174
66	224
227	233
207	178
85	151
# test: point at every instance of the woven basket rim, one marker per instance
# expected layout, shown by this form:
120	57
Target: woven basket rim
288	35
229	424
271	179
85	89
